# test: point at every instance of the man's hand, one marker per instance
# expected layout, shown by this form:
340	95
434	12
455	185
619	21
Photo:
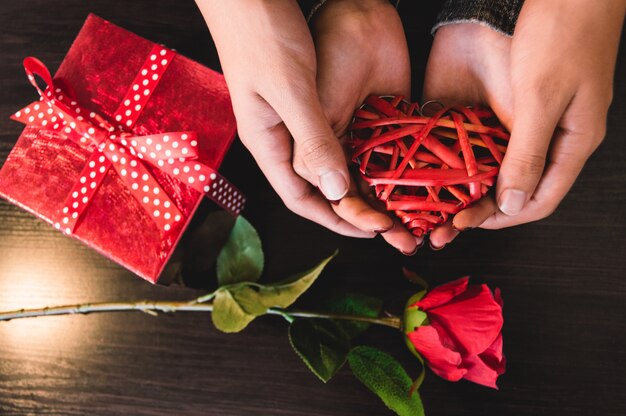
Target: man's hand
562	62
552	89
469	64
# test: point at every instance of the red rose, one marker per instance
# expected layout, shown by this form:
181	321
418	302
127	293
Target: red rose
462	337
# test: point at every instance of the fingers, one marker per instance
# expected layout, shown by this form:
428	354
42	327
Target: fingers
567	160
525	158
352	208
358	212
581	133
317	145
442	235
350	66
272	151
402	240
301	198
471	217
475	215
360	208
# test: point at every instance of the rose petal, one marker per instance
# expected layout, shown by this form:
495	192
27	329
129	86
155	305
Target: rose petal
471	320
443	294
494	357
498	297
479	372
443	361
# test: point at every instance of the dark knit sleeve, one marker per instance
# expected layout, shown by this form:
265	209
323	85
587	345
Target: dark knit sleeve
500	15
309	7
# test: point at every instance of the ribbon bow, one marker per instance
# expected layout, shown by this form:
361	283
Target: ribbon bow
129	155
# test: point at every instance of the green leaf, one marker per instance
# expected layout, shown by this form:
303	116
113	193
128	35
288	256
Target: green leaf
241	259
321	344
247	296
228	315
353	304
385	377
283	294
200	247
236	305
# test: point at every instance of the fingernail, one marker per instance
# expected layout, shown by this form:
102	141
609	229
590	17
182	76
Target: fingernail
435	248
512	201
384	230
333	185
410	253
459	230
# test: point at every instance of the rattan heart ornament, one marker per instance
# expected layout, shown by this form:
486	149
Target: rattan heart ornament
426	168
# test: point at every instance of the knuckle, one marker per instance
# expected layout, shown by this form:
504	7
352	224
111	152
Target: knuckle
316	150
357	18
598	136
299	167
545	212
290	203
291	84
531	164
243	136
537	88
588	142
245	139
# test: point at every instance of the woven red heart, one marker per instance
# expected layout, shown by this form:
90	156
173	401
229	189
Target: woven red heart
426	168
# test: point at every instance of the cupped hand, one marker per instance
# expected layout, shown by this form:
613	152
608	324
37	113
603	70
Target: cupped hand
469	64
553	93
268	58
361	50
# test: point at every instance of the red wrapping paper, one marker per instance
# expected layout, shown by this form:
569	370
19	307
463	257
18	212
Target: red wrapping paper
97	72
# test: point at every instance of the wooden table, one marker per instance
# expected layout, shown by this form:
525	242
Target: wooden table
562	278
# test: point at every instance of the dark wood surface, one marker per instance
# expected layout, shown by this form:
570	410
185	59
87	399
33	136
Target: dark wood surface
563	279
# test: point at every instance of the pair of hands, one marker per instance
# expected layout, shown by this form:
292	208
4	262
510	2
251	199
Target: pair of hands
294	91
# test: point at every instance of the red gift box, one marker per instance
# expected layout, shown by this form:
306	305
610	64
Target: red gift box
121	147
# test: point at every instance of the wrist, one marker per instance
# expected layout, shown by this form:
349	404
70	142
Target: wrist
359	19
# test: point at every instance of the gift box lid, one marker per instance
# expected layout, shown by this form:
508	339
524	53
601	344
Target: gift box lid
103	62
103	66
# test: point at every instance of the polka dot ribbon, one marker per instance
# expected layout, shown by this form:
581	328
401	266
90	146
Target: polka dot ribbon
116	147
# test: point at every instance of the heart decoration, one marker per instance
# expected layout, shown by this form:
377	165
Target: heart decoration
426	168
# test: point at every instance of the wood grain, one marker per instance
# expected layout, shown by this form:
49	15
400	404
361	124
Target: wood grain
563	279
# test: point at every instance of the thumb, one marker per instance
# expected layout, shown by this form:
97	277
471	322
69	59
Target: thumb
317	144
525	157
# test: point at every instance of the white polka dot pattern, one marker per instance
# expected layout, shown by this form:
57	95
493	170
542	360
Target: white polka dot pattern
142	87
83	191
176	153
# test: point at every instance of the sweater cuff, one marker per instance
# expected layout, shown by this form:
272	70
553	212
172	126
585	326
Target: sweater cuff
499	15
309	7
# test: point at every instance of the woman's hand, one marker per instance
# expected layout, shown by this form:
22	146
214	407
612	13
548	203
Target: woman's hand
269	62
361	50
560	68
